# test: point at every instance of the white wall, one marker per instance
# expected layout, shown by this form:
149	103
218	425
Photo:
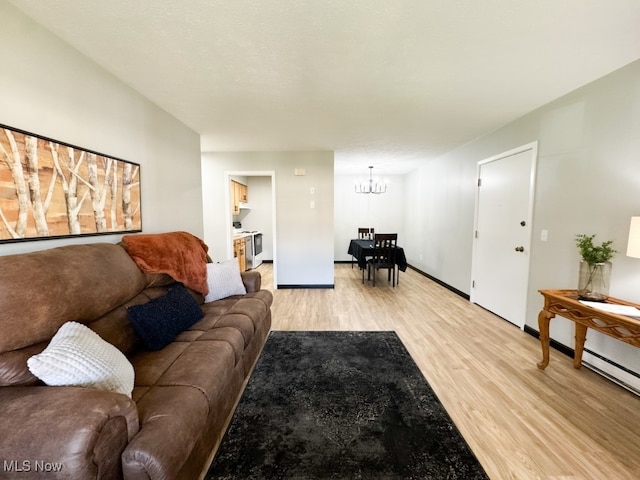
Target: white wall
304	236
383	212
588	182
52	90
439	219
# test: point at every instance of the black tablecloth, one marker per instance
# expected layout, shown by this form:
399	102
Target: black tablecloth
361	249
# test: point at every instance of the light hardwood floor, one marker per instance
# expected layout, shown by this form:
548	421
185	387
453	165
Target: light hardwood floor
522	423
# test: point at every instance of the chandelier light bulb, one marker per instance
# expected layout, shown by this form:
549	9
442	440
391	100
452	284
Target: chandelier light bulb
374	186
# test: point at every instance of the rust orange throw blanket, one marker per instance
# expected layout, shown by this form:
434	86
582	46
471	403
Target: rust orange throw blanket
179	254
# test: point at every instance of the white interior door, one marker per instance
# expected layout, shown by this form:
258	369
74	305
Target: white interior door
502	237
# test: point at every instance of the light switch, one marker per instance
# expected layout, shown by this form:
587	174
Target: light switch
312	190
544	235
312	204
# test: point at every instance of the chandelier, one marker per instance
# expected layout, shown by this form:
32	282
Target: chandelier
373	186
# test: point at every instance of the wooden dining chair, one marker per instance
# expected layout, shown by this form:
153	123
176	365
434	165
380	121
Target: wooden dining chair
364	233
384	248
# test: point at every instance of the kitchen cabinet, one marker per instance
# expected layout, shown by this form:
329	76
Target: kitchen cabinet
239	194
239	253
243	193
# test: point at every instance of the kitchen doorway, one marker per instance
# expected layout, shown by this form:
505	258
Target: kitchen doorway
265	205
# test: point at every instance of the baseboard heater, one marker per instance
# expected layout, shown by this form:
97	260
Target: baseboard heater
615	372
623	376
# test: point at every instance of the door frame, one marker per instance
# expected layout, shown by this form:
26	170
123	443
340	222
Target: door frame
229	218
533	146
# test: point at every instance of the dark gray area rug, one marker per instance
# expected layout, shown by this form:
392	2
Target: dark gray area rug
341	405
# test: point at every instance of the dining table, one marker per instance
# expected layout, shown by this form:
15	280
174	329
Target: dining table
361	249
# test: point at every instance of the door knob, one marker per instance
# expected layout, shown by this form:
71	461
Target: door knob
519	249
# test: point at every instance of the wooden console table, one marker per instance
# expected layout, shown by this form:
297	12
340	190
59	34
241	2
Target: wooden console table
565	303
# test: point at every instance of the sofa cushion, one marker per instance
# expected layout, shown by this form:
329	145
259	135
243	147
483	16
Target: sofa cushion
230	335
171	419
242	323
253	305
77	356
151	366
160	320
43	290
224	280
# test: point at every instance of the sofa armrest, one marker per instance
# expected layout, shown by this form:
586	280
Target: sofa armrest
252	281
64	432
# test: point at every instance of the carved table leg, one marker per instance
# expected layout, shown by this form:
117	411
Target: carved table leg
543	325
581	336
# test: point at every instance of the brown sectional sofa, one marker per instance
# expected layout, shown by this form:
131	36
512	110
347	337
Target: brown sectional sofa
183	394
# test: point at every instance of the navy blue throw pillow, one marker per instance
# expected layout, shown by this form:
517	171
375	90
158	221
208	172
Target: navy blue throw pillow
159	321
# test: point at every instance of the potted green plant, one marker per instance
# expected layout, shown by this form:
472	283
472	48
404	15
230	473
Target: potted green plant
595	268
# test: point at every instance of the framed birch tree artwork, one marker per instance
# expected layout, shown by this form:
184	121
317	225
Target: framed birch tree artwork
50	189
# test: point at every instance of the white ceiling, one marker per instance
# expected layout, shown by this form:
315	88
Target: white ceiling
381	82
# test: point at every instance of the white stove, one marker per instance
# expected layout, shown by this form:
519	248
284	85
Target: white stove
254	254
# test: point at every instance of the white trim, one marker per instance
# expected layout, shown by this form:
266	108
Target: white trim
229	225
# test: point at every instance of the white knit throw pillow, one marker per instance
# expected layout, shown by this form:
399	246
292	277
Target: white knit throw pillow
224	280
78	356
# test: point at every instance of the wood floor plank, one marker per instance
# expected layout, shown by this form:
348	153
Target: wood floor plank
522	423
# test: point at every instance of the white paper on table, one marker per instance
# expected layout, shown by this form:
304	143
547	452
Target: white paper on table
626	310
